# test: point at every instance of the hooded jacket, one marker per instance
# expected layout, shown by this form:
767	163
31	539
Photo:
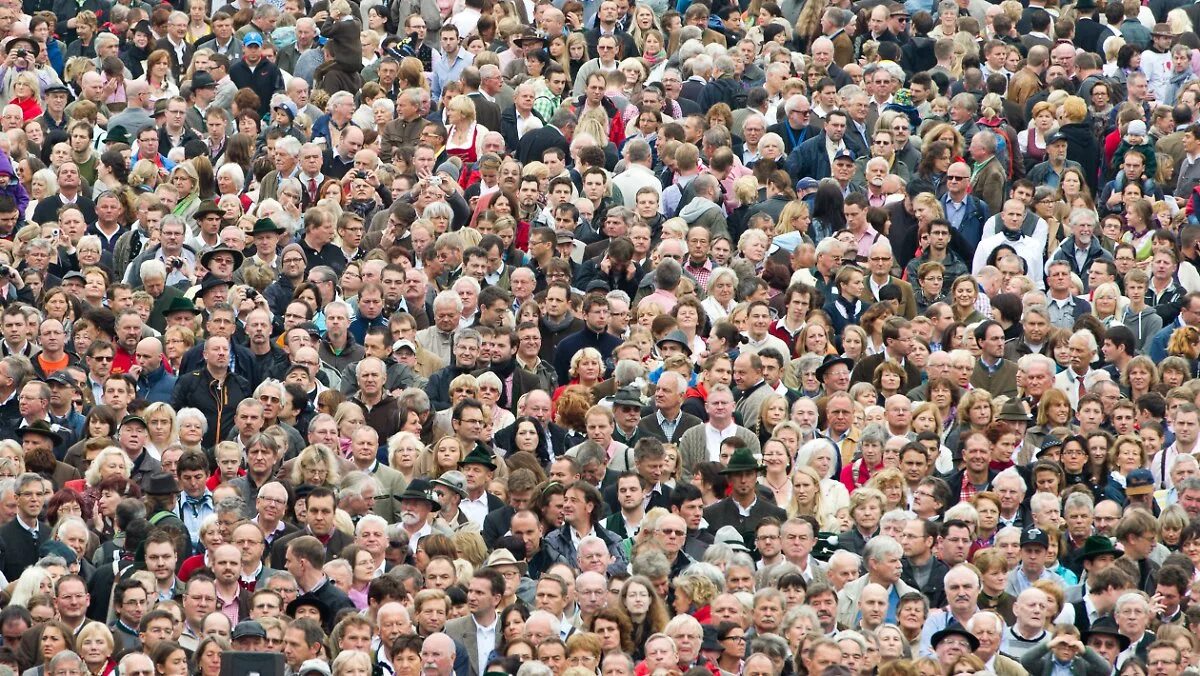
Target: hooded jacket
1095	252
707	214
14	188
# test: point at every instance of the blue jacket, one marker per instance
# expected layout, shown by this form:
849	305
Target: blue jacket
156	386
970	231
810	159
1157	349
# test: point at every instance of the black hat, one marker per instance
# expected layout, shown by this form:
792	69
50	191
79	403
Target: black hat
419	489
712	640
955	630
676	336
181	304
29	43
117	134
628	396
40	427
143	26
479	456
1098	545
1085	5
248	629
56	548
211	282
74	274
1055	137
133	419
843	154
62	378
1049	443
1106	626
1035	536
161	483
202	80
311	328
264	226
58	88
311	601
528	34
833	360
743	460
598	285
238	256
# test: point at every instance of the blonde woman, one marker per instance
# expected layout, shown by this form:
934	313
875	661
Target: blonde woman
465	140
442	457
819	455
316	466
160	423
1108	304
719	298
403	450
807	498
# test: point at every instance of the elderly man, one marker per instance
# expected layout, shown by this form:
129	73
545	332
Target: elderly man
882	556
1029	629
1073	381
962	594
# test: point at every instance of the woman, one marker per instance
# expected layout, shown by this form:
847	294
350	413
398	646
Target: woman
110	492
465	140
935	162
646	611
208	655
819	454
814	340
95	643
732	638
363	571
889	379
772	411
613	625
872	321
55	637
586	369
1054	410
403	450
490	391
987	505
529	437
160	421
866	508
1139	377
211	537
186	180
964	292
806	498
856	474
687	313
1108	303
110	462
317	466
719	299
170	659
27	95
693	594
158	76
1032	141
775	478
752	248
890	482
441	458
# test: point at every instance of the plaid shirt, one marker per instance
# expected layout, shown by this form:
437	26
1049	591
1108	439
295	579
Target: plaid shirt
701	273
967	491
546	104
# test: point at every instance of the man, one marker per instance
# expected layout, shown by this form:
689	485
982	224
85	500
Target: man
214	390
752	387
478	468
939	251
305	558
988	178
1074	380
921	569
477	631
20	537
593	334
993	372
880	262
702	443
69	192
405	130
897	341
668	423
882	557
743	509
1082	249
582	511
256	72
319	510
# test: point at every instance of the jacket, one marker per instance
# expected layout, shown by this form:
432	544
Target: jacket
847	611
724	512
1083	148
1039	662
584	337
706	214
965	239
809	159
199	389
989	183
935	588
908	303
1144	325
560	547
1066	252
156	386
693	446
649	427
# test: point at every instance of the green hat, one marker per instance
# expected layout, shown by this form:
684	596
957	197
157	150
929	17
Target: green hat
264	226
743	460
1098	545
479	456
208	207
181	304
117	134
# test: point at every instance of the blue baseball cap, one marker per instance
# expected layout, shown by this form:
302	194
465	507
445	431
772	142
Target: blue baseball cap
253	38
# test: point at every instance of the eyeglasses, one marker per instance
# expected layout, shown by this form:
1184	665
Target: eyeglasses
956	178
101	358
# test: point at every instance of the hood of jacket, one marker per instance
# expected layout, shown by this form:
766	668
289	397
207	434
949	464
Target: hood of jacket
693	210
559	325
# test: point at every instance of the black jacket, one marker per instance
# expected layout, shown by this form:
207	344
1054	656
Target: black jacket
508	128
18	550
1083	148
199	389
935	588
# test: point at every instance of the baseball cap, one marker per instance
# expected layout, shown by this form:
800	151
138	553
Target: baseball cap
253	38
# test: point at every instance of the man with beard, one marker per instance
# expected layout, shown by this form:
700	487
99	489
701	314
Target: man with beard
416	506
270	360
812	157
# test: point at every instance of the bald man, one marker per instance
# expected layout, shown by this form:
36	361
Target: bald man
154	383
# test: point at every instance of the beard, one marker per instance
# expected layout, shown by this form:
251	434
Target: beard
409	518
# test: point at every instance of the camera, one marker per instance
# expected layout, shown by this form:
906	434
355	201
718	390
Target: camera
22	53
435	181
360	174
176	263
251	294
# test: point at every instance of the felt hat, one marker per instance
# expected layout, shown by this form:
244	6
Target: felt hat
478	456
419	489
42	428
181	304
1098	545
743	460
955	630
832	360
265	226
238	256
161	483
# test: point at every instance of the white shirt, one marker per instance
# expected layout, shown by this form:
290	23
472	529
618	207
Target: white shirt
476	510
485	639
713	438
416	537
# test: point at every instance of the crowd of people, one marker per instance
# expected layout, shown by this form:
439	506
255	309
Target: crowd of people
578	338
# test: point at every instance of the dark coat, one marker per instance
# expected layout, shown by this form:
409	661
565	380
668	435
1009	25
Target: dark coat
535	143
725	513
487	113
508	128
18	550
200	390
864	370
810	159
337	542
935	588
1083	148
649	427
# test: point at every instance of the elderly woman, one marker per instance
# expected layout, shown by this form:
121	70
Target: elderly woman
317	466
178	340
109	463
719	300
752	247
866	508
211	537
191	425
490	390
352	663
693	594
